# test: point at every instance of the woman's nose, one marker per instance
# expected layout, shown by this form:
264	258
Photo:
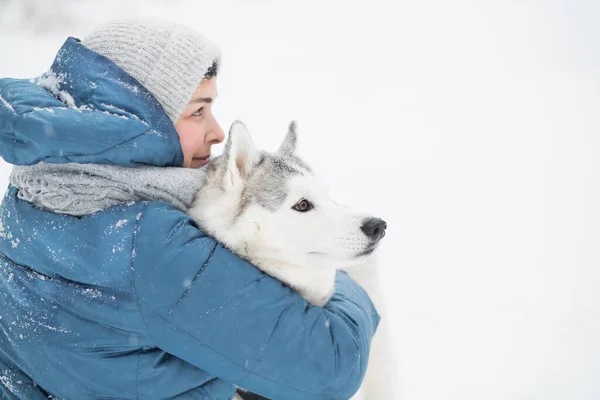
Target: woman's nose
216	134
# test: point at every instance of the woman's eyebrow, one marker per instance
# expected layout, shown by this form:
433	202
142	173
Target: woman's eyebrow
202	100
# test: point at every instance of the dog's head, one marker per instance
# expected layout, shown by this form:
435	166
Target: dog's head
272	207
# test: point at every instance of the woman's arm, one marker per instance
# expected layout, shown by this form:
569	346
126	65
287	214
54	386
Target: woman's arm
205	305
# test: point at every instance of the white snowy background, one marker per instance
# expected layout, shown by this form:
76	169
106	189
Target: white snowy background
472	127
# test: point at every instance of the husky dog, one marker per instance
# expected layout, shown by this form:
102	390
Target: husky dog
271	209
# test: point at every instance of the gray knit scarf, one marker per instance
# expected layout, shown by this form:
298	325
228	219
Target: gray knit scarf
81	189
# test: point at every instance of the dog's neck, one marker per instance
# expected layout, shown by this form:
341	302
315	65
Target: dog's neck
315	285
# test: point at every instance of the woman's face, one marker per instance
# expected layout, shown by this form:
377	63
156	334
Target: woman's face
197	127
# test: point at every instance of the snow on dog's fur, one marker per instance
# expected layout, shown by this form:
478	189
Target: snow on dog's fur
271	209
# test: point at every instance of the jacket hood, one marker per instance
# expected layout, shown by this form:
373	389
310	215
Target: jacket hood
85	109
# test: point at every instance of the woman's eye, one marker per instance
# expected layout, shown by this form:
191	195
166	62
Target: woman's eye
198	113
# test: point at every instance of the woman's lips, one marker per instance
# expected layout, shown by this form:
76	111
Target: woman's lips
200	161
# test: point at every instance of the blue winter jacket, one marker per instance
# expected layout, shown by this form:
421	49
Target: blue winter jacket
134	302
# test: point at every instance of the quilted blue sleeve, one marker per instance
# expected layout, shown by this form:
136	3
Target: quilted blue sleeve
216	311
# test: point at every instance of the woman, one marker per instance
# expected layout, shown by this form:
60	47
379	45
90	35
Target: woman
108	289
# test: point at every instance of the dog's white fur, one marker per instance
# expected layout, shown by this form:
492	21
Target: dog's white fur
302	249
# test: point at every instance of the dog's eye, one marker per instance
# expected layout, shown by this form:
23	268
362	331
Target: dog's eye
303	206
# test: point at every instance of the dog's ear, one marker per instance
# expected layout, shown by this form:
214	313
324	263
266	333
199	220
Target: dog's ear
289	143
240	153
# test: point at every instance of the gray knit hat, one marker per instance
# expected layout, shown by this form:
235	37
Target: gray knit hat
169	59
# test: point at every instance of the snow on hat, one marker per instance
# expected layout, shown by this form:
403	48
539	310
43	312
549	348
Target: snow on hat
168	58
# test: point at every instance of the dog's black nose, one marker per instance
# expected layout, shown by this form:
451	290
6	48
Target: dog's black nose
374	228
